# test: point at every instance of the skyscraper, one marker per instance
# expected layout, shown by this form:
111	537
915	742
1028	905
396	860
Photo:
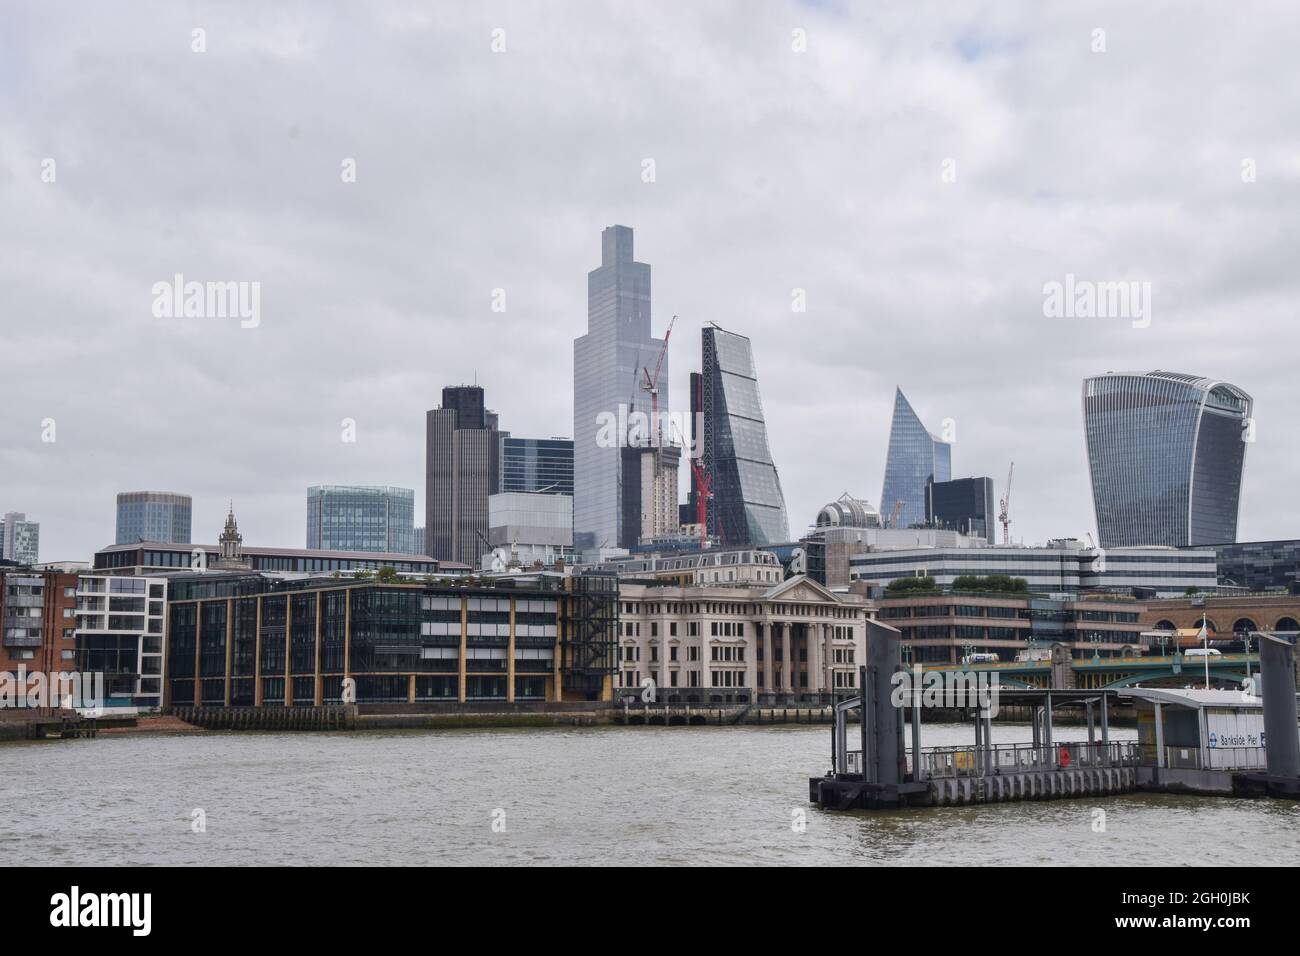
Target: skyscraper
360	518
537	465
20	539
462	468
607	364
161	516
747	506
963	504
1166	453
915	457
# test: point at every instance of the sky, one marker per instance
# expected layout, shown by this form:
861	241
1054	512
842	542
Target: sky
918	171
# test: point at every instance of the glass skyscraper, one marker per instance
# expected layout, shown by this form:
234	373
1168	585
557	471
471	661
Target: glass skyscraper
607	373
746	506
361	518
915	457
537	465
1166	453
154	516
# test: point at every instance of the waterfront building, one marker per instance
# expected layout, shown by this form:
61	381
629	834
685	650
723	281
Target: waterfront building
1165	453
730	642
608	371
1064	568
20	539
154	516
360	518
962	504
250	639
747	506
943	626
542	465
462	468
1227	617
1259	565
120	635
915	458
524	528
38	620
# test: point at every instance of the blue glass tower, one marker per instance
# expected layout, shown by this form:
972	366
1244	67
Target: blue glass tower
747	506
361	518
915	457
1166	453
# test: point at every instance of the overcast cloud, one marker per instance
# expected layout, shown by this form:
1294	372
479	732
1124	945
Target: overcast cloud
775	170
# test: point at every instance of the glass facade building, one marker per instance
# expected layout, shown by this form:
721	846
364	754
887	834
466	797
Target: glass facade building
537	465
20	539
154	516
747	506
361	518
607	371
1166	453
963	504
915	457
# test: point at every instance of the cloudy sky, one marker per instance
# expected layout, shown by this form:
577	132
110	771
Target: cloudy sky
920	170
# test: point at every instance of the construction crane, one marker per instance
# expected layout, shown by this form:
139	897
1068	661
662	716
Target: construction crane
651	384
703	492
898	509
1004	507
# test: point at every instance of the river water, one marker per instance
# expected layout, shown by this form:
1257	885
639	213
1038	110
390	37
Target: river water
604	795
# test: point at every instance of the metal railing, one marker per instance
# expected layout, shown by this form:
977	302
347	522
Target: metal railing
947	762
1215	758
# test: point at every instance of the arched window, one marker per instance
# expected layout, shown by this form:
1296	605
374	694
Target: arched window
1244	625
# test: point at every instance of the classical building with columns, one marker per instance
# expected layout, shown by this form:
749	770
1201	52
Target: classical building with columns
788	642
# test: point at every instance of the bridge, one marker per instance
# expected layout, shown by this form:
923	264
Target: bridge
1114	673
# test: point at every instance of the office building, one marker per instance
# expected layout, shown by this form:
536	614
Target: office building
608	371
1165	453
20	539
915	457
942	628
649	493
245	639
462	468
38	621
153	516
360	518
730	642
1259	565
537	465
525	528
1065	567
842	529
747	506
962	504
120	635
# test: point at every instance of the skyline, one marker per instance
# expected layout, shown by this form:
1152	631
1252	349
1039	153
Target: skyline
774	171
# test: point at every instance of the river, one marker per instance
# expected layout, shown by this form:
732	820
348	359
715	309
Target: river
641	795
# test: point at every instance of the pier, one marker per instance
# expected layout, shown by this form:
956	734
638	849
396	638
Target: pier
1203	742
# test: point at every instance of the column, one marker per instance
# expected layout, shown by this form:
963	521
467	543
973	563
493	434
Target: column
510	655
288	649
767	657
198	652
257	656
318	685
816	659
230	630
464	630
787	657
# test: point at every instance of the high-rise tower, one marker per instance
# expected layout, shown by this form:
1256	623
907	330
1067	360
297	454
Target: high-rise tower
1166	453
607	370
462	468
915	457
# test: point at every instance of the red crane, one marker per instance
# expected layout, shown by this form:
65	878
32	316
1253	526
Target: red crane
651	384
703	483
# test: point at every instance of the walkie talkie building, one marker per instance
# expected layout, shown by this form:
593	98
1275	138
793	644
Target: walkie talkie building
746	505
1166	453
